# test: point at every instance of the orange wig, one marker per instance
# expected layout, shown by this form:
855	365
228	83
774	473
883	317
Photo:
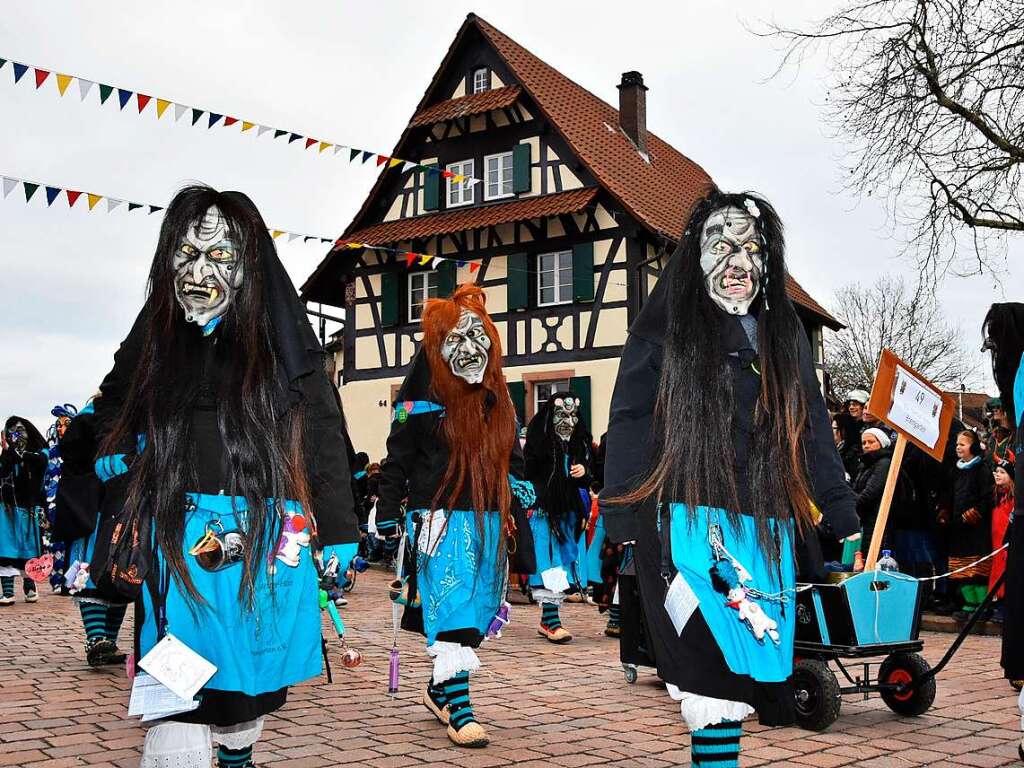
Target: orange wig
480	421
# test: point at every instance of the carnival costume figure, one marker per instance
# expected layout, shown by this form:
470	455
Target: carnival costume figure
453	451
558	457
54	435
718	444
219	427
22	466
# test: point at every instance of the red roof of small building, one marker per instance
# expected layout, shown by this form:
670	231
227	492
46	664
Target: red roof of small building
475	217
464	106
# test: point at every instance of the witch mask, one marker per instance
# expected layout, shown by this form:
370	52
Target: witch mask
465	348
17	437
731	257
565	416
207	269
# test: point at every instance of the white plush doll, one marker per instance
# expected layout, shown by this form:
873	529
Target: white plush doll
760	623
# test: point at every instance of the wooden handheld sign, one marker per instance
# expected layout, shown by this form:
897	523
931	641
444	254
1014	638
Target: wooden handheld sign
920	413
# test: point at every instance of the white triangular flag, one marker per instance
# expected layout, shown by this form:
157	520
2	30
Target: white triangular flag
339	147
472	182
84	86
435	261
179	110
408	166
261	129
9	185
112	204
291	236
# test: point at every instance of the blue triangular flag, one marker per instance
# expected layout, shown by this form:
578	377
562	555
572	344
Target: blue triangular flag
460	264
367	155
123	96
155	208
51	195
213	119
433	169
293	137
19	70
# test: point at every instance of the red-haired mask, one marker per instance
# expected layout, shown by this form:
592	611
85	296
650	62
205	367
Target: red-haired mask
466	348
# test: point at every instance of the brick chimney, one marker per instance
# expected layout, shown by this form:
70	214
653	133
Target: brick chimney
633	108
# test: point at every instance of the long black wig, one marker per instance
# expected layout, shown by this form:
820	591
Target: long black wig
35	442
693	416
259	424
1003	329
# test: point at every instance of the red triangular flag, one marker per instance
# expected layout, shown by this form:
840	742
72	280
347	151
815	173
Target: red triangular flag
143	100
381	159
310	143
473	267
447	174
230	121
41	75
72	197
409	259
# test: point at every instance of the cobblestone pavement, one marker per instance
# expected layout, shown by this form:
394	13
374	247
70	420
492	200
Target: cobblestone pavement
544	705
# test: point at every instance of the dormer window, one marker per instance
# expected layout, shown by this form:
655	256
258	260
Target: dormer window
481	80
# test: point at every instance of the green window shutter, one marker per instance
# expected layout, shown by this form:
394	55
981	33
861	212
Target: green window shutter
517	391
518	285
446	279
431	189
580	386
389	288
521	168
583	272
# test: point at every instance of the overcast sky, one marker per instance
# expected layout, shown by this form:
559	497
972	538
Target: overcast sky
352	73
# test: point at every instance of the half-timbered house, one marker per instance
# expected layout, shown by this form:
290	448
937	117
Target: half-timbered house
575	209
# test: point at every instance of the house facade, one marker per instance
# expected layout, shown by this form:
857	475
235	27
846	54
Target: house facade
561	207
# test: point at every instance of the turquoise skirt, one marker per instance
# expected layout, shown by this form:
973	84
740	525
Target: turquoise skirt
259	649
763	661
19	533
550	552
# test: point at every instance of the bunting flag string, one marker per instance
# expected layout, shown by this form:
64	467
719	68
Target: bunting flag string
141	101
8	184
410	257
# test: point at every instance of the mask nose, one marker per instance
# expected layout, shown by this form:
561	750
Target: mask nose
200	268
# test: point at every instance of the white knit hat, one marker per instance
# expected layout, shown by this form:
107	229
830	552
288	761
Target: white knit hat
879	435
858	395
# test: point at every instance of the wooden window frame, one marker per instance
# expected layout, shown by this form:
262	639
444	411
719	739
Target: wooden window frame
465	189
472	79
501	179
559	300
411	279
539	377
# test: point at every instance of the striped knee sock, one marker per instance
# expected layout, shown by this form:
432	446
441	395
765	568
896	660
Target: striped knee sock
717	746
234	758
112	625
436	692
7	582
613	615
456	694
549	616
94	619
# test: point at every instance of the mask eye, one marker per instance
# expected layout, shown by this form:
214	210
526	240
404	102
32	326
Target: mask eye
221	255
189	251
558	402
721	248
452	340
752	247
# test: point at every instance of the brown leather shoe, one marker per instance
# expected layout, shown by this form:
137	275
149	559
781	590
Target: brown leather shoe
441	713
472	734
559	636
613	631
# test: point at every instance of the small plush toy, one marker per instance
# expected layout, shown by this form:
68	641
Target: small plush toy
760	623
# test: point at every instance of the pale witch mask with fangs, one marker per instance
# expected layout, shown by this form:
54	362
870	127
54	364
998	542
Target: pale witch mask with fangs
207	269
565	416
465	348
731	257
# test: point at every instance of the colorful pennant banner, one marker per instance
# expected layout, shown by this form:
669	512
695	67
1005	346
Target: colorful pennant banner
8	184
141	101
411	258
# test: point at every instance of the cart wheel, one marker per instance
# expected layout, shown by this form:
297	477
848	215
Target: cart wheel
907	668
629	672
818	698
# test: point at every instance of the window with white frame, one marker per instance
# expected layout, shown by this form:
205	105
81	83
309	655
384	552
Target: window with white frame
499	176
543	390
554	278
460	192
422	286
481	80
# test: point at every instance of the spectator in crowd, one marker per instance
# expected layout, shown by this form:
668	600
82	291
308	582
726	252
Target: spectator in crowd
874	468
969	524
1000	441
855	402
1001	513
846	435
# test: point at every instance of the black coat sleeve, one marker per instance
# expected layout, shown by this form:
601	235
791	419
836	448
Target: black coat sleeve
825	469
870	497
394	473
629	429
330	476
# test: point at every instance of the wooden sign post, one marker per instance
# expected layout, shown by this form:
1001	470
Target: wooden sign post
920	413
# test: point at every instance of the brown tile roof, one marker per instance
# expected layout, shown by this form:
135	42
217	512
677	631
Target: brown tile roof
474	104
804	299
473	217
660	193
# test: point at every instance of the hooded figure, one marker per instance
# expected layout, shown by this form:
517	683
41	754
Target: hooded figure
54	435
219	428
22	466
453	453
718	443
558	461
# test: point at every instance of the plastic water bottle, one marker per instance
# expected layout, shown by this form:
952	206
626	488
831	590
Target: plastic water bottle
887	562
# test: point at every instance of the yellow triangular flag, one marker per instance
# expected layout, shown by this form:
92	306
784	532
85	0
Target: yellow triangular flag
324	145
161	105
425	259
246	125
353	245
276	233
93	199
63	81
394	161
458	178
